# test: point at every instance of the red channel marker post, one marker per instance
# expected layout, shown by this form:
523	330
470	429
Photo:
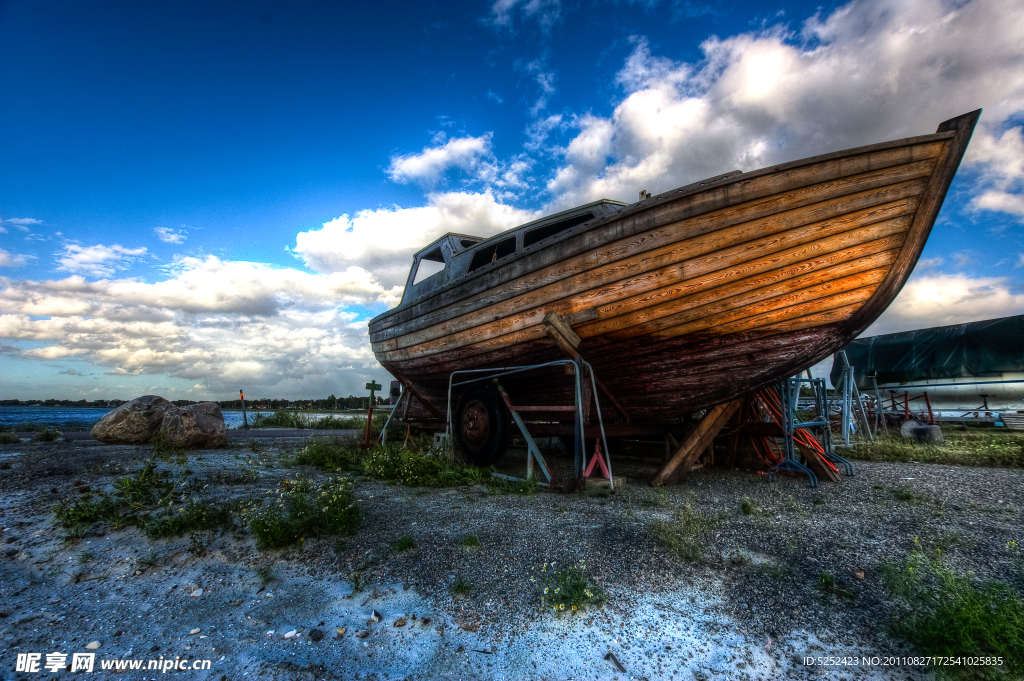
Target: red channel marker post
245	417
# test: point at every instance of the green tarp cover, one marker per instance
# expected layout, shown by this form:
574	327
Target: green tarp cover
974	349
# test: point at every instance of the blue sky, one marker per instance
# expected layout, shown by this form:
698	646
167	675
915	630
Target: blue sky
197	197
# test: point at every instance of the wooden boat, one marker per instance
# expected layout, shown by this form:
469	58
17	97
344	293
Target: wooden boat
684	300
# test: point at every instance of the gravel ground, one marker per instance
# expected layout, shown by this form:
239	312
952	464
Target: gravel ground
749	609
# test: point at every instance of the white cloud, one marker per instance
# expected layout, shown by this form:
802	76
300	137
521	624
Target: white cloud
545	12
170	236
428	168
12	259
98	260
383	241
1001	160
21	224
870	71
942	299
221	322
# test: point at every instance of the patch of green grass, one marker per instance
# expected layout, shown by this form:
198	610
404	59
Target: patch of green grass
654	500
907	495
460	587
970	447
194	517
404	543
303	509
84	557
943	613
599	493
689	534
254	446
301	421
9	439
129	504
568	589
469	542
747	506
505	486
827	583
265	573
819	500
391	462
47	435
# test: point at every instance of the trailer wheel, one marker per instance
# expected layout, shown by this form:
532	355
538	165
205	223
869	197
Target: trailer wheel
482	425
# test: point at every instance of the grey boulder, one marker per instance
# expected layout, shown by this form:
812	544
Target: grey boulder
197	426
133	423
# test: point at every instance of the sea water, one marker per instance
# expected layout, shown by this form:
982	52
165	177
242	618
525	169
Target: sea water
82	418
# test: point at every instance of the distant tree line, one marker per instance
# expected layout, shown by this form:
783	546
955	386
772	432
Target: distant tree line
329	403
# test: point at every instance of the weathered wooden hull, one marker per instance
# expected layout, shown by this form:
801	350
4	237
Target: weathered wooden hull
698	295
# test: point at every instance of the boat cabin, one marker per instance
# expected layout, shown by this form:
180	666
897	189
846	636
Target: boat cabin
454	256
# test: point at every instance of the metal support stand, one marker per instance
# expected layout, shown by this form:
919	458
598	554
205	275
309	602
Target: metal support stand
580	458
852	407
790	391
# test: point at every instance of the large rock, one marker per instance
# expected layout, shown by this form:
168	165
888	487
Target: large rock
133	423
197	426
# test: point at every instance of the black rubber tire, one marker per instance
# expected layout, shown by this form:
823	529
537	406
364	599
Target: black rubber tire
482	425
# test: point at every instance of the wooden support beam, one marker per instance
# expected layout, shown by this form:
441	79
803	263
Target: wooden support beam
565	338
696	441
415	393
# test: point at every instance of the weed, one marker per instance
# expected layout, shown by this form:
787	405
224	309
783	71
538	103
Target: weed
599	493
469	543
747	506
254	446
389	462
165	449
9	439
506	486
303	509
827	583
904	494
194	517
969	447
819	500
943	613
340	546
301	421
149	562
84	557
357	582
561	508
689	534
738	557
655	500
460	587
47	435
404	543
265	573
568	589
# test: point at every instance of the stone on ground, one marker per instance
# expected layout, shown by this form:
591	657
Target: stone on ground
133	423
197	426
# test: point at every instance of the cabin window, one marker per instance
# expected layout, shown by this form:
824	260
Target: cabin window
469	243
429	265
534	235
491	252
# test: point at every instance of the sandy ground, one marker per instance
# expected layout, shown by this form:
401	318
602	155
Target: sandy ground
748	610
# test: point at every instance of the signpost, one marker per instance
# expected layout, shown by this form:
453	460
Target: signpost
371	386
